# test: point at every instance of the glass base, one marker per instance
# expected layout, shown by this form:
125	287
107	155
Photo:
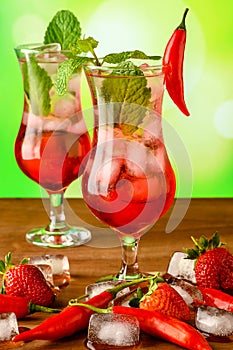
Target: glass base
71	237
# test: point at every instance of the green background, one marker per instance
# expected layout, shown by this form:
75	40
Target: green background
135	24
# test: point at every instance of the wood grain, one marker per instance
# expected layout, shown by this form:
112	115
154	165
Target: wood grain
89	262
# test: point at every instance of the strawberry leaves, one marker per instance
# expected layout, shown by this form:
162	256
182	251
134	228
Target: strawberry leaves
202	245
6	264
153	285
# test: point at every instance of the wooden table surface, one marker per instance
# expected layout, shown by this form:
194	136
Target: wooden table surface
87	263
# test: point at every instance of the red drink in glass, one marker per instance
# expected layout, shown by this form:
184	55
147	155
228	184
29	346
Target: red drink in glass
130	196
128	182
54	160
52	141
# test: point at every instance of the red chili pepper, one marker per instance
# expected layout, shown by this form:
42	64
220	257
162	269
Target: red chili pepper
166	327
216	298
72	319
162	326
20	306
173	59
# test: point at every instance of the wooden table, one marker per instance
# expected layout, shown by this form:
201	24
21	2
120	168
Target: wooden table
87	263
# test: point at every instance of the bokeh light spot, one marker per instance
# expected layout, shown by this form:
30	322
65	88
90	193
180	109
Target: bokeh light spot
223	119
29	27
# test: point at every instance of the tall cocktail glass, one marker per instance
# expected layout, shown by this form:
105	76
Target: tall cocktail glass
52	141
128	182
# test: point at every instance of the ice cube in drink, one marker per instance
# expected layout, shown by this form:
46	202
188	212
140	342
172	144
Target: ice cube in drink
8	326
112	331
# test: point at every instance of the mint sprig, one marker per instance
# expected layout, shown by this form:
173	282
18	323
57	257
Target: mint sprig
37	84
130	96
64	29
65	71
88	45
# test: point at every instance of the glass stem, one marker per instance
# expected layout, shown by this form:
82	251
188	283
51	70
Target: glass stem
129	268
57	214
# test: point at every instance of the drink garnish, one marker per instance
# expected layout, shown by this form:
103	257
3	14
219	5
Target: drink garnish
86	46
64	29
130	96
37	84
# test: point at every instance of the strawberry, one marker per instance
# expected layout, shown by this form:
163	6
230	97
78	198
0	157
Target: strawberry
214	263
166	300
26	281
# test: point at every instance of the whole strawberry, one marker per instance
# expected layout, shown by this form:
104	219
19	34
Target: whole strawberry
165	299
214	264
26	281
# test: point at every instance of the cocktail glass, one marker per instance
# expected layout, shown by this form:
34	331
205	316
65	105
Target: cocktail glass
52	141
128	182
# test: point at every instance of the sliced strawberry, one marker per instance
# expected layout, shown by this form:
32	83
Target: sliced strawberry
166	300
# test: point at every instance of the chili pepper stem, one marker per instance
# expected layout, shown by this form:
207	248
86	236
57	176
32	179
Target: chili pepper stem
155	278
119	287
38	308
182	24
92	308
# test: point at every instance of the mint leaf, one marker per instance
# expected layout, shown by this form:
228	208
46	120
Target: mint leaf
63	29
125	55
130	95
37	84
86	45
65	71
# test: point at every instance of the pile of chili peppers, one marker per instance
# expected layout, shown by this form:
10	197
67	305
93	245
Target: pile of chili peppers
72	319
161	326
75	318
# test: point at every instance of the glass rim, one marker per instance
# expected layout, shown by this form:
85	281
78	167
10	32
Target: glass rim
148	69
40	47
113	66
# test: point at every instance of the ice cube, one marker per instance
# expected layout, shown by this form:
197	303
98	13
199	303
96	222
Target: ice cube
108	175
8	326
47	272
186	289
113	330
184	294
136	159
64	106
59	264
214	321
181	267
96	288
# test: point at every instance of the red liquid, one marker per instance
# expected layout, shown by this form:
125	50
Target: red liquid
51	158
130	203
